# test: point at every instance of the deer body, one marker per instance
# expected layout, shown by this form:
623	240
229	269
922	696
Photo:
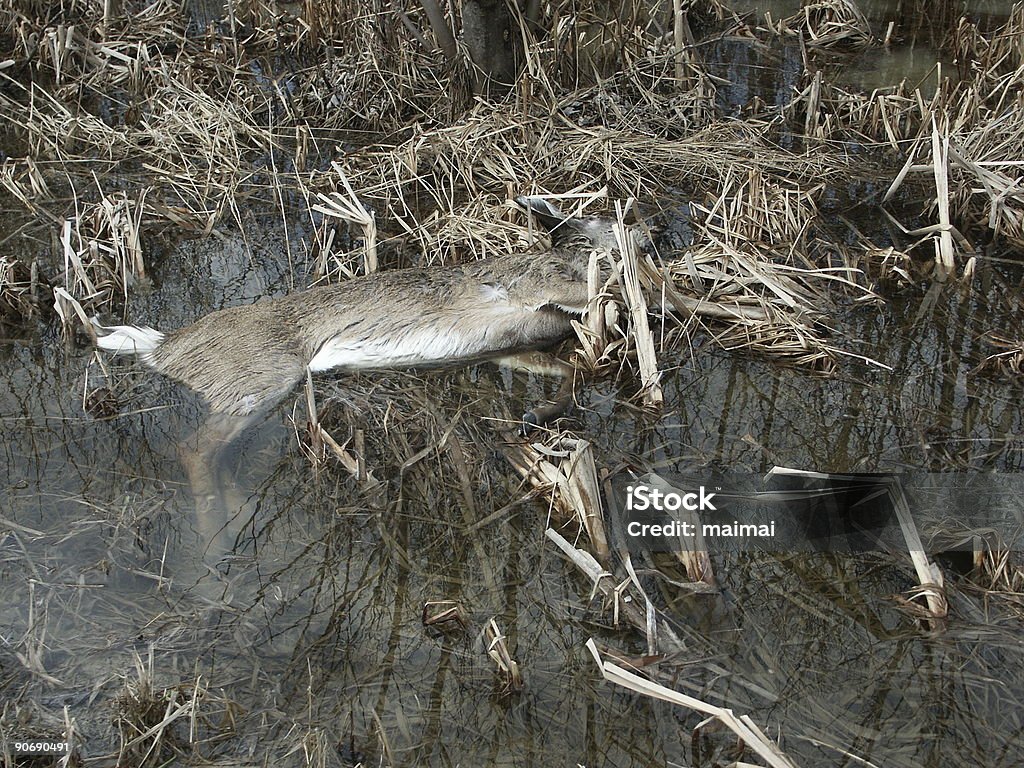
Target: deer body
245	359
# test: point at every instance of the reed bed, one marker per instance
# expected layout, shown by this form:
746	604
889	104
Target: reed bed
1009	360
448	191
829	25
963	142
753	262
194	124
489	155
150	720
102	249
21	289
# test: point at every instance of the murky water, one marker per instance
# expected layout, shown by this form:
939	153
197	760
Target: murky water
912	54
326	586
312	632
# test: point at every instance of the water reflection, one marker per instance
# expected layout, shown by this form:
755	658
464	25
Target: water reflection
774	74
930	411
326	579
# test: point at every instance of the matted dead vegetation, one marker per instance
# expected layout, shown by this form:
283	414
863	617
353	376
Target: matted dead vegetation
1009	360
448	190
171	100
964	141
21	289
829	25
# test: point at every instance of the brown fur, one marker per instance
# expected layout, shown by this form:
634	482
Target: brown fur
244	358
247	358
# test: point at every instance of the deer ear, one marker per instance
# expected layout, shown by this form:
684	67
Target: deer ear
547	214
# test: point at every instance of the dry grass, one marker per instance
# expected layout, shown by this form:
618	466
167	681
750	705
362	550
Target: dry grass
103	251
160	724
966	139
448	190
830	25
1009	360
195	123
986	129
20	294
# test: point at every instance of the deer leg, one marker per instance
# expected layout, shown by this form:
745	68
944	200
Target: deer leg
544	364
203	460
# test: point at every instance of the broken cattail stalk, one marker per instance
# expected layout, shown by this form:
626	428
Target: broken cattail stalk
691	551
647	358
349	208
347	460
679	23
584	493
595	320
498	650
744	728
65	305
812	119
944	245
566	465
582	559
441	612
314	430
932	587
628	601
74	268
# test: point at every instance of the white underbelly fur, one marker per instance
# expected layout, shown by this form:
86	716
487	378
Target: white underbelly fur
415	349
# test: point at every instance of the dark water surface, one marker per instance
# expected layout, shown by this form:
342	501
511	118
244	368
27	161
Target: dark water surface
327	585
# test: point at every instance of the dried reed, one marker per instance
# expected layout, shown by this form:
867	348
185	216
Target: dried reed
830	24
966	136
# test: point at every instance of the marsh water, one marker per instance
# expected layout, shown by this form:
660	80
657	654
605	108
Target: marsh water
307	638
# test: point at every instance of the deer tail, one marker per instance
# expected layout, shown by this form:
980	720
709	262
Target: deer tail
127	339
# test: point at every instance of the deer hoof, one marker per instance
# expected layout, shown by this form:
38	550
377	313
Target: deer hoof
530	422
